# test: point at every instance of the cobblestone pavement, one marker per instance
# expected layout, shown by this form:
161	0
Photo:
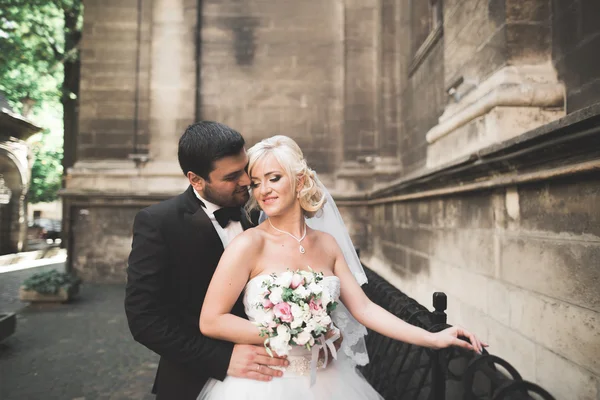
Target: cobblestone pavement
76	351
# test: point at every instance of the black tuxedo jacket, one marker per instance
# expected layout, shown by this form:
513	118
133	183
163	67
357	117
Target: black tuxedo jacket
174	254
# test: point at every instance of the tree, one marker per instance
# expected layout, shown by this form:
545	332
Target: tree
46	173
39	67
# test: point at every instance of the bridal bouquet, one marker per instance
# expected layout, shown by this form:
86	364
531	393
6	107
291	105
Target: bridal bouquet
296	310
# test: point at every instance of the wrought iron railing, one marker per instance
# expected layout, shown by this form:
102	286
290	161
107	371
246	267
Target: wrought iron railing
405	372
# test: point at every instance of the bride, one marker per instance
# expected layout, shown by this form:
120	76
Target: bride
292	197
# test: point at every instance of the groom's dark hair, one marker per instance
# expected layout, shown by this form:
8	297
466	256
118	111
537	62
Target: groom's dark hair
205	142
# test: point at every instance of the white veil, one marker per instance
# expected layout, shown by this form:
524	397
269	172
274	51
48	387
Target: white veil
329	220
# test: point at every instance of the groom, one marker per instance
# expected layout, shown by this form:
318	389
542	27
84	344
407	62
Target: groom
176	247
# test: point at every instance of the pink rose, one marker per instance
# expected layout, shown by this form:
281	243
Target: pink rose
314	306
283	311
297	280
267	304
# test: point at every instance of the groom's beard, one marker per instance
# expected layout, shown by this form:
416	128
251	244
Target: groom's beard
236	199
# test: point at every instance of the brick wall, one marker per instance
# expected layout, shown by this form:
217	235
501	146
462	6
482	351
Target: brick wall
575	50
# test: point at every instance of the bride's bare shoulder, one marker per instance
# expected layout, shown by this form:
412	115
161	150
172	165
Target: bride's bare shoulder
326	241
251	240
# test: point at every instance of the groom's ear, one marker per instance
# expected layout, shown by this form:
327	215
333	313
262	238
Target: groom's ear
196	181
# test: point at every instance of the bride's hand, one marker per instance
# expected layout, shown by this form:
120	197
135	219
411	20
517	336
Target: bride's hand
450	337
337	344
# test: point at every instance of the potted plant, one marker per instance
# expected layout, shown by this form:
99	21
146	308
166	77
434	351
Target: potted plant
8	323
50	286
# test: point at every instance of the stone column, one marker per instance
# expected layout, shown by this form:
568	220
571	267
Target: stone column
172	80
395	57
138	93
361	90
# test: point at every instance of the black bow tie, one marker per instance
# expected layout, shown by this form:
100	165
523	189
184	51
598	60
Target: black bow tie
226	214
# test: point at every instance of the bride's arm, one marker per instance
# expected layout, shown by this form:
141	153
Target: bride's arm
378	319
227	284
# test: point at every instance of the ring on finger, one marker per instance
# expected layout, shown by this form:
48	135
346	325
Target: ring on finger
258	367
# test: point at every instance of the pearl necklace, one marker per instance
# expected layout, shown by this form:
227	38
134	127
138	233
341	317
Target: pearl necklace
301	248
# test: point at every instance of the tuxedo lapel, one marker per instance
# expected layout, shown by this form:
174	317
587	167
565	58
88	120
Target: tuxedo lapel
196	216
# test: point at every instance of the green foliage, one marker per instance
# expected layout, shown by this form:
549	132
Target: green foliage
31	44
51	282
36	38
46	173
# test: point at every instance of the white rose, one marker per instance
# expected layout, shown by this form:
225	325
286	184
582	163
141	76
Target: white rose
311	325
325	320
296	311
296	323
303	338
315	288
280	345
306	315
285	279
302	292
308	276
275	295
265	317
284	333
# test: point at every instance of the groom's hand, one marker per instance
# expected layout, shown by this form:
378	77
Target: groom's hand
253	362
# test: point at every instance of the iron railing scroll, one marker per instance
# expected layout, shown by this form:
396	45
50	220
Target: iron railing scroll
399	371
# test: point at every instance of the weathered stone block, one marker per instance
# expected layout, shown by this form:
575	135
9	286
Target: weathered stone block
498	295
102	256
528	43
568	330
528	11
561	269
472	250
561	206
564	379
509	344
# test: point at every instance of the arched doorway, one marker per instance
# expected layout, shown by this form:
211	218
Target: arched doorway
15	173
12	207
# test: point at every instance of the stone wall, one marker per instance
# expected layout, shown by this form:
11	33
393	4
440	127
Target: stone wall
575	43
103	240
271	68
519	266
518	261
423	100
108	80
391	111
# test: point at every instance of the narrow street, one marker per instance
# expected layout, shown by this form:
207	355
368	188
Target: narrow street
87	340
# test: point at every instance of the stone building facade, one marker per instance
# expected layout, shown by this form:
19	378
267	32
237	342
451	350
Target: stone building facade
460	138
15	173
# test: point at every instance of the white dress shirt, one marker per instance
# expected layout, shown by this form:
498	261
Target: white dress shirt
226	234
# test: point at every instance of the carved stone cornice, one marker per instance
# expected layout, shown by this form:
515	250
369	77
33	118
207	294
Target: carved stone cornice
570	145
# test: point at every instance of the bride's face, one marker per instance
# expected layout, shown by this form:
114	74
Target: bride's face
271	186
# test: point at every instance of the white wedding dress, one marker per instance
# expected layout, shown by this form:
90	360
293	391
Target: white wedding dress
339	380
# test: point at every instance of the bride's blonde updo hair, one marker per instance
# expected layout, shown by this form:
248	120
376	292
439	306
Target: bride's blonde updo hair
290	157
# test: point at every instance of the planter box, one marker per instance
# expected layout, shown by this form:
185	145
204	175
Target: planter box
8	324
62	295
